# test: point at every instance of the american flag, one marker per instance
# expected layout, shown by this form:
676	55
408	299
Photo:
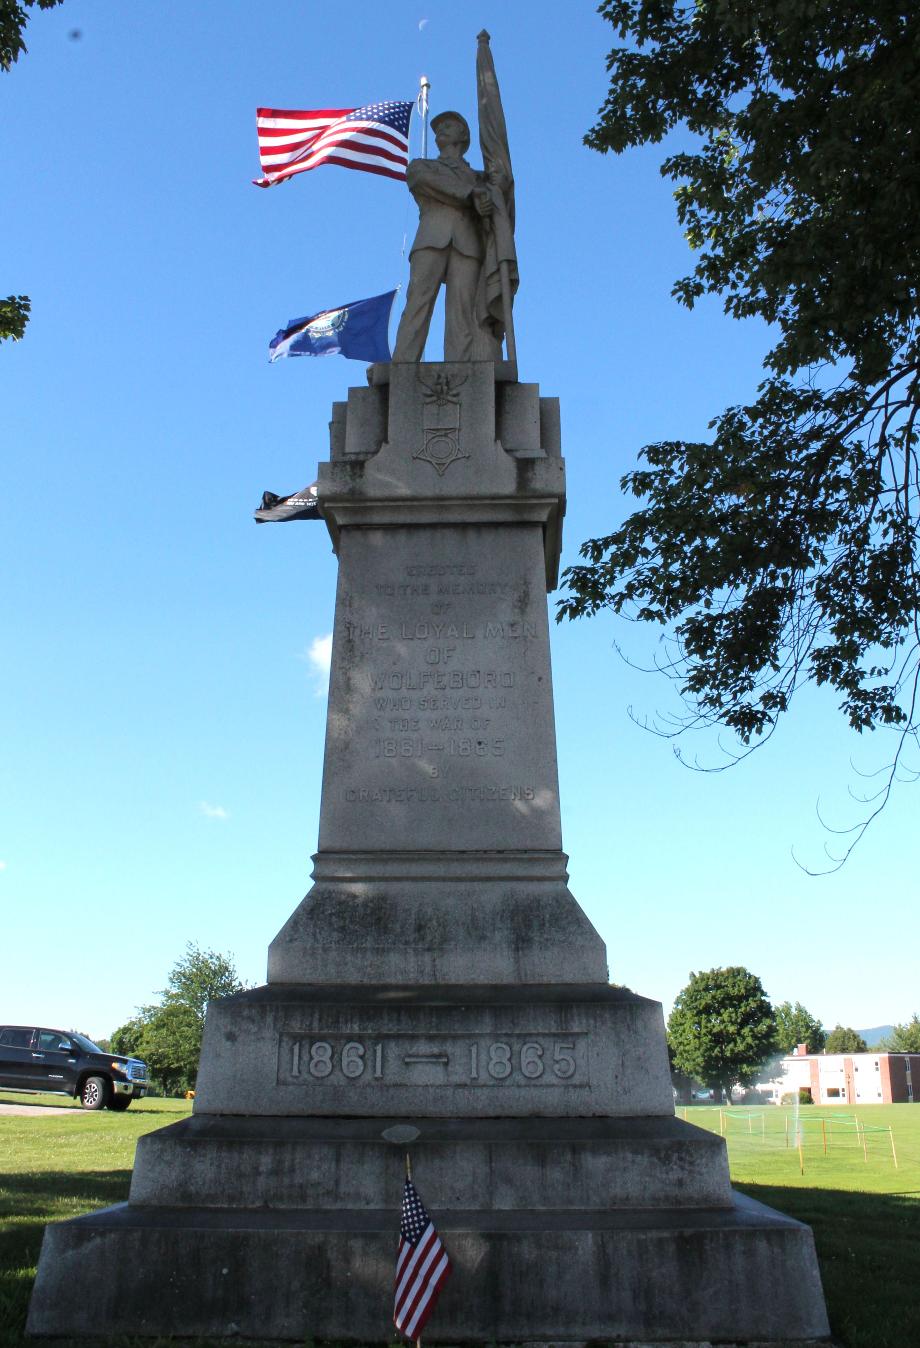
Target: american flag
374	138
422	1266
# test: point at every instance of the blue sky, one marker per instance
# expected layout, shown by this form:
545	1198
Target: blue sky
163	708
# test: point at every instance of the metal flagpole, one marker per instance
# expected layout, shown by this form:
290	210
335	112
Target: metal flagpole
422	104
421	107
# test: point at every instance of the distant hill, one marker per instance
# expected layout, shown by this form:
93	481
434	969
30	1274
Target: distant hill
874	1036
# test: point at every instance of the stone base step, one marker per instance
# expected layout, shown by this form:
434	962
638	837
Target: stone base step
487	917
435	1051
322	1164
746	1275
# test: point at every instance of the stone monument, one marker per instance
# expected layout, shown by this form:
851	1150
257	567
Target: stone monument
439	977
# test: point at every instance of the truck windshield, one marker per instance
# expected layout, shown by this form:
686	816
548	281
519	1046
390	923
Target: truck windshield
87	1045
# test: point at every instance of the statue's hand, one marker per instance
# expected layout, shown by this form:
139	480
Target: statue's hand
482	200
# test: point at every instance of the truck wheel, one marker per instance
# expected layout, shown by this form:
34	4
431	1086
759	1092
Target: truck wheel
94	1093
119	1102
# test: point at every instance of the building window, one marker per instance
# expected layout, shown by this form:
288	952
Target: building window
833	1092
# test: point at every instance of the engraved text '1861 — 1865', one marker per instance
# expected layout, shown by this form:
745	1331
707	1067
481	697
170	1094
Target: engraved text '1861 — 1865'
405	1059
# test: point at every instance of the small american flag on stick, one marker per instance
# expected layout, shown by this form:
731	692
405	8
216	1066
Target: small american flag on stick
422	1266
374	138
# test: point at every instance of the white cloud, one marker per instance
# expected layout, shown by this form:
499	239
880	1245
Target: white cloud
213	811
318	656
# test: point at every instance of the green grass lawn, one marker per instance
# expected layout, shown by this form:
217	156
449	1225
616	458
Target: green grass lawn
762	1146
865	1212
55	1167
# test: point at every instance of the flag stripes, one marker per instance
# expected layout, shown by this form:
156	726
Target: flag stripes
282	148
374	138
422	1266
420	1271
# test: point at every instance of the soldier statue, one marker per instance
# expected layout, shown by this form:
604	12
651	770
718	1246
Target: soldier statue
465	236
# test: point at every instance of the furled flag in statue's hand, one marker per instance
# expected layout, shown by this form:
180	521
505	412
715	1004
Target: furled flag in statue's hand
357	330
374	138
422	1266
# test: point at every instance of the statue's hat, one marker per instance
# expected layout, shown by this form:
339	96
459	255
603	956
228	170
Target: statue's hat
443	117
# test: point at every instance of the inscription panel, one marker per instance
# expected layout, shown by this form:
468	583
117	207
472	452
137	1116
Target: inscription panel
440	694
502	1061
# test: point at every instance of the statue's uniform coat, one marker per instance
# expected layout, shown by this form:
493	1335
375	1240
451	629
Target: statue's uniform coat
447	247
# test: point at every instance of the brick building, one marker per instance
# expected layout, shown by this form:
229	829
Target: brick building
849	1078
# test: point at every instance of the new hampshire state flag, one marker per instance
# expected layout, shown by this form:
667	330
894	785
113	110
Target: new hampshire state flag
357	330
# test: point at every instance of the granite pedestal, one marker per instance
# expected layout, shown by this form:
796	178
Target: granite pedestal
439	974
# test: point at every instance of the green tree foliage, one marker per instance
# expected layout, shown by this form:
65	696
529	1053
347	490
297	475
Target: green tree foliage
199	977
167	1035
14	315
722	1028
14	310
785	549
795	1025
171	1047
844	1039
13	20
127	1038
905	1038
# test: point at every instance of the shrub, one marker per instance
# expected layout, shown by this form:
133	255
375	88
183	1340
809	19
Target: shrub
804	1097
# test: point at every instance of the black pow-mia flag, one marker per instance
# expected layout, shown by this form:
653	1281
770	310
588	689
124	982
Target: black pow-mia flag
300	505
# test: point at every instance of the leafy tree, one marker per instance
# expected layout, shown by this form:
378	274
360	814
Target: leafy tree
127	1038
905	1038
683	1085
13	19
795	1025
844	1039
199	977
14	314
167	1035
722	1028
785	549
171	1047
14	310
